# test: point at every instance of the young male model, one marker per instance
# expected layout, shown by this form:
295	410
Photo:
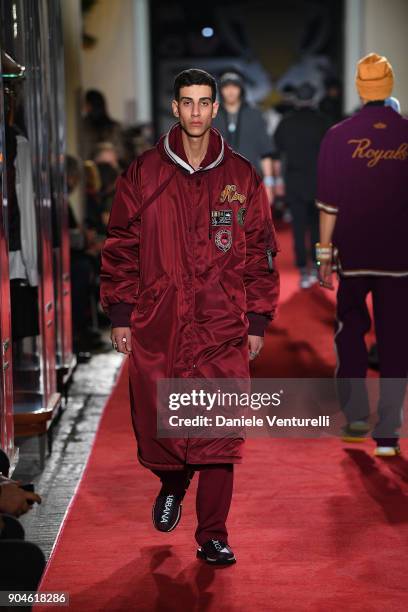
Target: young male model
189	282
363	200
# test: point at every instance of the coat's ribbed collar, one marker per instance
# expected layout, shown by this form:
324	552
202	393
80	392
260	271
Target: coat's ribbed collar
182	162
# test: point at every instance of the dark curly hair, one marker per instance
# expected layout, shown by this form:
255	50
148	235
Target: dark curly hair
194	76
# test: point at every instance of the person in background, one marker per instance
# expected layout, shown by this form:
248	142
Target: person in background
83	274
362	197
244	128
331	103
108	176
95	228
98	126
93	218
287	103
393	103
136	140
373	359
297	141
275	113
107	153
273	117
24	562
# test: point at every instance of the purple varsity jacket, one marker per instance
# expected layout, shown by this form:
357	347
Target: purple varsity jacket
363	179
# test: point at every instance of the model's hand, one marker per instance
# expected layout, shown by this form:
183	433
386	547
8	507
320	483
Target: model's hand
122	339
255	344
326	275
14	500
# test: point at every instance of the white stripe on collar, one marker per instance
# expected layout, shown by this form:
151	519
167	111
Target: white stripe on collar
183	163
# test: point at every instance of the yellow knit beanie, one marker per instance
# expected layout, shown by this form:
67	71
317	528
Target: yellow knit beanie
374	77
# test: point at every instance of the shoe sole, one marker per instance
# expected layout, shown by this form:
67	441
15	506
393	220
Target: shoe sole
174	524
354	438
387	454
201	555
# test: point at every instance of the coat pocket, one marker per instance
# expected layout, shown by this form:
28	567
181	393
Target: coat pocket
236	295
150	295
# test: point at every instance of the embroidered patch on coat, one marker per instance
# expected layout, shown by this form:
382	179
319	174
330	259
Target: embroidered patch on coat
230	194
223	240
241	212
221	217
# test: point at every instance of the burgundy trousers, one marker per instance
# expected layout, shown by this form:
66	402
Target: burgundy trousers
213	499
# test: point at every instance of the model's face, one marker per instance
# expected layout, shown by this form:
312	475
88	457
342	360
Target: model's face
231	94
195	109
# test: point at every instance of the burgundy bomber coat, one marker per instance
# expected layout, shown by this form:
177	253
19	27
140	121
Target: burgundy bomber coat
188	265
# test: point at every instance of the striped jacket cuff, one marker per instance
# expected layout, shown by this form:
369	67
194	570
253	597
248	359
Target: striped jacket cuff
329	208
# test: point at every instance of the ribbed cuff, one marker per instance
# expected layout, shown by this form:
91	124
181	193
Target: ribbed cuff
120	314
257	323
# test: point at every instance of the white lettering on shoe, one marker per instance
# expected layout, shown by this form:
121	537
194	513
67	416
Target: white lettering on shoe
219	546
167	508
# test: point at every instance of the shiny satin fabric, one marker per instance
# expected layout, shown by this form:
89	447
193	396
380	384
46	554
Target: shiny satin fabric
188	289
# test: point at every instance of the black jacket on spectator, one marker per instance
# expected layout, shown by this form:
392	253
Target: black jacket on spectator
297	142
250	138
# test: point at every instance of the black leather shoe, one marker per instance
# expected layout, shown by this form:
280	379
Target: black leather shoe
216	552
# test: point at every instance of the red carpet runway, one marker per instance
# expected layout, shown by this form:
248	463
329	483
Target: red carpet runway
316	525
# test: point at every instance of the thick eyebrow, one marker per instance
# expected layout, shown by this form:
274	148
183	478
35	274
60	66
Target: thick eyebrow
191	99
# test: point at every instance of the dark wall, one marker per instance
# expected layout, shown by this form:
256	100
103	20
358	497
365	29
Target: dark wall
271	43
